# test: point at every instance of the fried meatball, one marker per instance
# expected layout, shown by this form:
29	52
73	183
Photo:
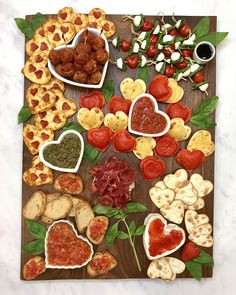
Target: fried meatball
65	70
99	68
55	57
67	55
84	47
90	67
81	57
95	78
87	36
78	67
101	56
98	43
80	77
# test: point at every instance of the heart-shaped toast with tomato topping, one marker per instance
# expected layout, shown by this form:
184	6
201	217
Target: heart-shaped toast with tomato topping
50	119
67	105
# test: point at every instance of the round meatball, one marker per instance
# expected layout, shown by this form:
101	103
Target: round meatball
80	77
99	68
78	67
87	36
98	43
65	70
84	47
90	67
55	57
95	78
81	57
101	56
67	55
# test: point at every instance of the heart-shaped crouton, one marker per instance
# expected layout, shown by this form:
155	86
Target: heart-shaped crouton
201	140
174	212
117	121
193	219
196	206
178	130
144	147
201	235
50	119
177	91
176	180
89	119
67	105
159	268
130	89
161	196
203	187
186	193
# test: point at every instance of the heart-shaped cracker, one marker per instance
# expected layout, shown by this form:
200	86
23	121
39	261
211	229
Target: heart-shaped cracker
35	69
174	212
160	184
39	44
80	21
67	105
131	89
34	137
38	174
201	140
161	196
178	130
38	99
201	235
144	147
89	119
159	268
96	14
61	254
177	91
193	219
196	206
54	83
50	119
203	187
177	266
117	121
108	27
66	14
175	180
186	193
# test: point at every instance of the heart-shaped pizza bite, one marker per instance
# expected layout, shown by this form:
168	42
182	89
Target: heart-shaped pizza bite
186	193
54	83
38	174
203	187
35	69
117	121
176	180
89	119
161	239
178	130
80	21
131	89
50	119
108	27
67	105
34	137
193	219
96	14
38	99
201	140
161	196
64	248
174	212
65	14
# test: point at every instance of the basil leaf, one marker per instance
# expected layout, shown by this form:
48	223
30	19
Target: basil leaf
24	114
140	230
111	234
119	215
133	207
202	27
105	210
36	229
91	154
206	107
214	37
25	27
144	74
204	259
37	20
34	247
206	123
122	235
132	228
73	126
108	90
195	269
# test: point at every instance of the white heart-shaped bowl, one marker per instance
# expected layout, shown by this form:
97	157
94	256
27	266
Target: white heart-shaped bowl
168	228
156	110
48	265
71	170
73	45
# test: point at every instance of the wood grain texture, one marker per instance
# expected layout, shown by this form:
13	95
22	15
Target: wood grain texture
121	250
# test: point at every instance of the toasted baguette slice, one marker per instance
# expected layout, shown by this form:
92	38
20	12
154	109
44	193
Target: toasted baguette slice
75	202
58	208
83	215
94	269
100	224
46	219
35	206
34	267
69	183
52	197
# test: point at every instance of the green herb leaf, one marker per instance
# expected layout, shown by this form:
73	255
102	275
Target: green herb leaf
132	228
34	247
204	259
195	269
25	27
73	126
119	215
203	123
36	229
122	235
91	154
133	207
202	27
105	210
140	230
37	20
24	114
144	74
108	90
111	233
214	37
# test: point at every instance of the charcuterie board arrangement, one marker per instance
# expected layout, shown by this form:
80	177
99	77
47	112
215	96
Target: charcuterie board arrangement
118	157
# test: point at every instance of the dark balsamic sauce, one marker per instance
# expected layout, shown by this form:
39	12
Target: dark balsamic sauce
204	51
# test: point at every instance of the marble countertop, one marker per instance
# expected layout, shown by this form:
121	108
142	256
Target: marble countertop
11	96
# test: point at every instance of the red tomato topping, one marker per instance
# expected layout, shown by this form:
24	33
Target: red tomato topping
166	146
159	88
101	264
116	103
178	110
100	138
190	160
152	167
70	183
95	99
97	228
123	141
34	267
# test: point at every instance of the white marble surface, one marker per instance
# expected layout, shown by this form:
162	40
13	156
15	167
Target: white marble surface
11	96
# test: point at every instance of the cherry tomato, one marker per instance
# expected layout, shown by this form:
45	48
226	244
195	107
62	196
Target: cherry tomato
186	53
159	88
153	39
152	50
185	30
181	65
125	45
100	138
190	160
132	61
173	32
178	110
147	26
116	103
168	50
152	167
166	146
95	99
169	71
199	77
123	142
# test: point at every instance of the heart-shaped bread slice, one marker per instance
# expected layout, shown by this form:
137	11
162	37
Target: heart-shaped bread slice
177	179
161	196
144	147
174	212
50	119
203	187
161	239
201	235
67	105
201	140
186	193
193	219
117	121
34	137
89	119
178	130
131	89
64	248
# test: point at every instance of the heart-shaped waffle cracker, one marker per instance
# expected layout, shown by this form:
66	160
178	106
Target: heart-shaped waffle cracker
89	119
54	83
175	180
201	235
38	99
50	119
38	174
161	196
144	147
117	121
201	140
178	130
159	268
67	105
34	137
35	69
203	187
65	14
196	206
174	212
193	219
131	89
186	193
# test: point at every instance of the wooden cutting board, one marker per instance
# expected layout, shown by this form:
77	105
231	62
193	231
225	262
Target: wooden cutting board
121	250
